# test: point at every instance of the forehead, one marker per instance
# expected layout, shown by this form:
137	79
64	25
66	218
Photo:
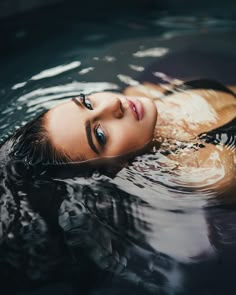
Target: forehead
66	128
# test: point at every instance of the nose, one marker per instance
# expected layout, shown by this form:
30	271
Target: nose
111	108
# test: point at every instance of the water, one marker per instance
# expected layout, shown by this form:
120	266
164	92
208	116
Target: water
148	230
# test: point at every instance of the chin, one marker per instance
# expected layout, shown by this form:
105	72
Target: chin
151	111
149	125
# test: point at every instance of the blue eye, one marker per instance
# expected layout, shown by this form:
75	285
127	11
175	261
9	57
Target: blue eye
86	102
100	135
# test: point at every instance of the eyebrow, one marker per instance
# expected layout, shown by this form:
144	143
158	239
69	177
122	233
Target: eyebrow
87	129
89	137
76	102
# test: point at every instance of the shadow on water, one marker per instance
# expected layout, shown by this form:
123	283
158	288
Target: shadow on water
145	231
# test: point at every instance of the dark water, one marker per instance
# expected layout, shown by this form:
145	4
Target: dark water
152	229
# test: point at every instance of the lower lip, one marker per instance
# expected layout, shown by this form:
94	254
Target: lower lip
138	106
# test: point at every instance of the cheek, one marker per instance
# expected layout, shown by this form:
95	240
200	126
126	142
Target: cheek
128	139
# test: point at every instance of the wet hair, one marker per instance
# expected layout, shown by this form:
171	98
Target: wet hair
32	145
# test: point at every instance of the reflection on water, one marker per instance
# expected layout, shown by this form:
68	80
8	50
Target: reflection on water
152	229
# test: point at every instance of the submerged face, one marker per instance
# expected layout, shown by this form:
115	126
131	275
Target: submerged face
101	125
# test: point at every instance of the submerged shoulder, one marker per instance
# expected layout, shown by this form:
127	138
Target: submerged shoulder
210	165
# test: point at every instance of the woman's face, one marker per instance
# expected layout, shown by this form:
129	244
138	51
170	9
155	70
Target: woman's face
101	125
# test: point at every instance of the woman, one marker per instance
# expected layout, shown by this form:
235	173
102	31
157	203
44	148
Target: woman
186	122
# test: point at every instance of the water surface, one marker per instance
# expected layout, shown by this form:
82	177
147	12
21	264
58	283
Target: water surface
152	229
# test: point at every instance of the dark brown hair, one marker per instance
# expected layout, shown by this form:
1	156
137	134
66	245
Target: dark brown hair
32	145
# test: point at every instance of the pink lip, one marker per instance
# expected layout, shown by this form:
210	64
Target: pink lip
137	105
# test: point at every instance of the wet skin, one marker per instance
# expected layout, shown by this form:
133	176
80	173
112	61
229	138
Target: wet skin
105	125
100	125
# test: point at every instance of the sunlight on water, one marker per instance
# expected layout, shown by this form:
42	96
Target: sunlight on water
56	70
151	52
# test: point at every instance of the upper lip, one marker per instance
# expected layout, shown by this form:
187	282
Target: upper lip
136	108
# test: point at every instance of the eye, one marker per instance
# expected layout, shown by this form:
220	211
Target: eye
100	135
86	101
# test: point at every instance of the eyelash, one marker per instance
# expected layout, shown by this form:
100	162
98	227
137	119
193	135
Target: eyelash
86	102
99	133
